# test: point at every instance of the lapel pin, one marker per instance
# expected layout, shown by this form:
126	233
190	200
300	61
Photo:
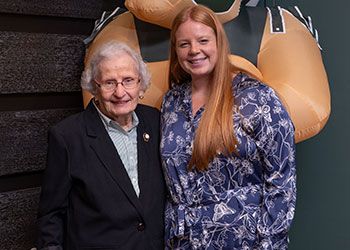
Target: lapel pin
146	137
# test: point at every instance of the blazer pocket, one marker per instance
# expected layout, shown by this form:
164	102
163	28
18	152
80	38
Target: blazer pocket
158	243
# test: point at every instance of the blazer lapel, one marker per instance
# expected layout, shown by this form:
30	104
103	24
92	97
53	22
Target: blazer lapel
104	148
143	153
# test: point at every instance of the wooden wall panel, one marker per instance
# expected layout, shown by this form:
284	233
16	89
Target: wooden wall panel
31	62
41	60
24	138
72	8
17	218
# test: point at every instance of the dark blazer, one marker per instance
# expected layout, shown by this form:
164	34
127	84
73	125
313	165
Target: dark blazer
87	199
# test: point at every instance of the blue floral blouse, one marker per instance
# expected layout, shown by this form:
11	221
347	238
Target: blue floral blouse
244	201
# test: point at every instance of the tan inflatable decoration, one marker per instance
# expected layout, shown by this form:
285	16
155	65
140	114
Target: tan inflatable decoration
288	58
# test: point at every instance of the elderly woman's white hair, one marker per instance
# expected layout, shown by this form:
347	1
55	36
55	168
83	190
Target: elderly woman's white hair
107	51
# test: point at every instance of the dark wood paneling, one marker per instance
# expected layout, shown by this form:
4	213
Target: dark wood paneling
24	138
20	181
17	218
41	60
46	24
31	63
64	100
72	8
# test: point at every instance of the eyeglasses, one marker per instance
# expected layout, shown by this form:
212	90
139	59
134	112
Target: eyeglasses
127	83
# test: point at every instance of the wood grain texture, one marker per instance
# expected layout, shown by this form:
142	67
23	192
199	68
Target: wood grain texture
24	139
32	63
73	8
17	218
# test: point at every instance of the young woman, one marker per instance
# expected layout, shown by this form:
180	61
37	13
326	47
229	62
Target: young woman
227	147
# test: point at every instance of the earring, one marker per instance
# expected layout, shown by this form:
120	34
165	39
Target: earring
141	97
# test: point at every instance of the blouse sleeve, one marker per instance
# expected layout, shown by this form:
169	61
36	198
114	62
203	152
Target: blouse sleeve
54	195
275	140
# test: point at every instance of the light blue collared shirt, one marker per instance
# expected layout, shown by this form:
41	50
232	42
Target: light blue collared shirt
126	144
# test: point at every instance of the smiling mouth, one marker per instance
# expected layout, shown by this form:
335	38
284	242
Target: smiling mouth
197	61
120	102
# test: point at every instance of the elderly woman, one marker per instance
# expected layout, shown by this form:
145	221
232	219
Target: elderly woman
103	164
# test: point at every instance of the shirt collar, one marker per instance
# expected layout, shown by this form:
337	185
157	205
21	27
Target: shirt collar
110	124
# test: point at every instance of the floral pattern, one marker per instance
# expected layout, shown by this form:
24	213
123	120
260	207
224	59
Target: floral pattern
245	201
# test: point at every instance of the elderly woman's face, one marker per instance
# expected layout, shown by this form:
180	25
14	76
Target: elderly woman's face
118	103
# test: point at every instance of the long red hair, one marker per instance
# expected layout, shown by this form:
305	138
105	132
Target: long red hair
215	131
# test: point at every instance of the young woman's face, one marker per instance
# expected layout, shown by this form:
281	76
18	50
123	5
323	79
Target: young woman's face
196	49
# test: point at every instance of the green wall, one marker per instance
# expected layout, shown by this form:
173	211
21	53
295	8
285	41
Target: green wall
322	220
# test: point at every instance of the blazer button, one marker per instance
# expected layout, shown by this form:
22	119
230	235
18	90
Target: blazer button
140	227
